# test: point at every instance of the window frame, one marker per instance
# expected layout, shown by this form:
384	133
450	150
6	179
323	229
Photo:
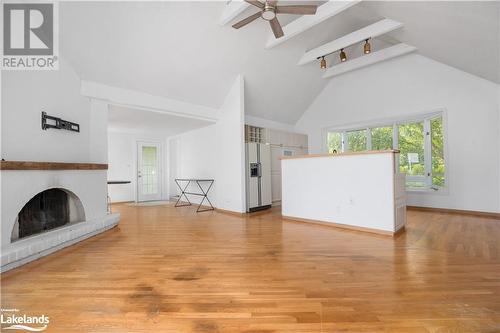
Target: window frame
395	123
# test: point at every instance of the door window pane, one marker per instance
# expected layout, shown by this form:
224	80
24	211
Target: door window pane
356	140
334	142
382	138
437	152
149	170
411	157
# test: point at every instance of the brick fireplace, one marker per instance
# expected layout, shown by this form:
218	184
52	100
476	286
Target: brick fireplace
48	206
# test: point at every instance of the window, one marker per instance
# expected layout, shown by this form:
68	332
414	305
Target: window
411	153
334	142
437	151
420	142
381	138
356	140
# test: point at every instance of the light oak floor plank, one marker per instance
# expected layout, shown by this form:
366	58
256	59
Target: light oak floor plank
166	269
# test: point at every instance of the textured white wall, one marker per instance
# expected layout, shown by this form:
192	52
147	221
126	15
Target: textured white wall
217	151
24	95
230	152
411	85
122	164
98	130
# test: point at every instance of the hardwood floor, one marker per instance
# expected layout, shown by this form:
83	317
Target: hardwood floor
166	269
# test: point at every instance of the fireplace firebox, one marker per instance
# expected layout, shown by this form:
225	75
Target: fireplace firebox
50	209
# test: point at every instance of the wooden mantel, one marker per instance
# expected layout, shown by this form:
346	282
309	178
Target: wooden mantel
26	165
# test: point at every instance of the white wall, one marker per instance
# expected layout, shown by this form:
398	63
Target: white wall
24	95
217	151
196	158
230	163
122	164
98	139
414	84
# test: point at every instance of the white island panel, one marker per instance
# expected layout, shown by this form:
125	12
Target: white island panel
356	190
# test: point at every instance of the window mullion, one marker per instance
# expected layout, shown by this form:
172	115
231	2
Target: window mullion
395	141
428	152
368	139
345	144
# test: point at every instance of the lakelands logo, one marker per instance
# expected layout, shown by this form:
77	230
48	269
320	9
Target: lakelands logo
12	319
30	38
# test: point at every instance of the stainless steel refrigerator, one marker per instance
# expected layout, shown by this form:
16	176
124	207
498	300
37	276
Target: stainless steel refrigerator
258	172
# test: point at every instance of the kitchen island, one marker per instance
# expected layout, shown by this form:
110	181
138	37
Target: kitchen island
357	190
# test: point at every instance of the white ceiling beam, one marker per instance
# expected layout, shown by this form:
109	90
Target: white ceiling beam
232	10
369	59
139	100
373	30
303	23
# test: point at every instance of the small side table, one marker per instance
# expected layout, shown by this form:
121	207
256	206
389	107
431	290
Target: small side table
115	182
203	193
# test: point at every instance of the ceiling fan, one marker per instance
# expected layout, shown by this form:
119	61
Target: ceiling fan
268	11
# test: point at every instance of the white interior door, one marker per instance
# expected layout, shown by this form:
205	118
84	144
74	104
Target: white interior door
148	171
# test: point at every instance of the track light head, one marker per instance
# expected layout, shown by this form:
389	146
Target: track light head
322	63
343	56
367	48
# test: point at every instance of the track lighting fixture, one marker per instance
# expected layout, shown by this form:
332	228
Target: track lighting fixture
343	56
367	48
322	63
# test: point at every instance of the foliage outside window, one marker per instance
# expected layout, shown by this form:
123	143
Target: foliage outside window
411	153
437	149
421	146
334	142
382	138
356	140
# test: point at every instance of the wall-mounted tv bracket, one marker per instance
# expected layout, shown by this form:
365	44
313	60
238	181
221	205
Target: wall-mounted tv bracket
54	122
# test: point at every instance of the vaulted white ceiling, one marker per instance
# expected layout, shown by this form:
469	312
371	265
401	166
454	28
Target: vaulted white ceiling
178	50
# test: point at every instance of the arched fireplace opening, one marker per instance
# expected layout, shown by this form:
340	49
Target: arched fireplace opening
50	209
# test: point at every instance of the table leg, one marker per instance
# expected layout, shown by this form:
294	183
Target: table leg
182	194
205	196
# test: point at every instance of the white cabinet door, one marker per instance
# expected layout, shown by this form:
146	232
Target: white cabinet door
276	186
265	161
276	153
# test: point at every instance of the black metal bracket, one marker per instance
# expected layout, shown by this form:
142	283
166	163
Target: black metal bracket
58	123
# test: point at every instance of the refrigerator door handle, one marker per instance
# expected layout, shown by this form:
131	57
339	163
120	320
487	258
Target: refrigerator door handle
259	170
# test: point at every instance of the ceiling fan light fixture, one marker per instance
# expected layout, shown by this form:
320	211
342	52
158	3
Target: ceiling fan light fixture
268	13
343	56
322	63
367	48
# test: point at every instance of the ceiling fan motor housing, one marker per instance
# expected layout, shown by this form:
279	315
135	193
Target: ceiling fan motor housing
269	12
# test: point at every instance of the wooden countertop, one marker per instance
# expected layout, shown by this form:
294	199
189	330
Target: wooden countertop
366	152
28	165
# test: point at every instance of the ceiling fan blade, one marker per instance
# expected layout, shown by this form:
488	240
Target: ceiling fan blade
247	20
276	26
256	3
272	2
298	9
